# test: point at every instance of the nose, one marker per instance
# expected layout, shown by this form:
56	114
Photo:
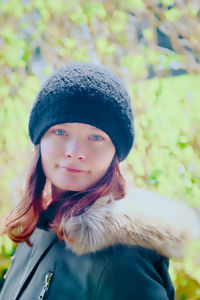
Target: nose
75	150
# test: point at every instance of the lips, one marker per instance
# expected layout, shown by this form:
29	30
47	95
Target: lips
72	170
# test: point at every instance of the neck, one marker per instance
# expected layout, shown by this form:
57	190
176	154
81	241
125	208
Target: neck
58	193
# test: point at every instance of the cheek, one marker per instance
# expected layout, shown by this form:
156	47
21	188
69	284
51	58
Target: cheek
49	153
49	148
101	158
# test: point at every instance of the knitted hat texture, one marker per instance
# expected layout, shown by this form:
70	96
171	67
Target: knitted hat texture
85	93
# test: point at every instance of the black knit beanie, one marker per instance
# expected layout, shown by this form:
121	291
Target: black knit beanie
85	93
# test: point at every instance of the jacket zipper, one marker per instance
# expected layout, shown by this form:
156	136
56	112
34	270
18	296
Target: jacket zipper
46	285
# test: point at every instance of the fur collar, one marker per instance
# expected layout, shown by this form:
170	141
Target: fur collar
142	218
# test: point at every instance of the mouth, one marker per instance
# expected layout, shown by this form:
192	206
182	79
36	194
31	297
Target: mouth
70	170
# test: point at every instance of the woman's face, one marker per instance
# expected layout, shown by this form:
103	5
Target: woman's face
75	156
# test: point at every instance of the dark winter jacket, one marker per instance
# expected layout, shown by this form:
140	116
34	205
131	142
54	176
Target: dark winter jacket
118	251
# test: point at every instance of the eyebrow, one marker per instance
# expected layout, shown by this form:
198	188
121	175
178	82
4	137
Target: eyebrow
92	128
95	128
68	125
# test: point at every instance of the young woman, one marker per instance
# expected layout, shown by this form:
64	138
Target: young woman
87	239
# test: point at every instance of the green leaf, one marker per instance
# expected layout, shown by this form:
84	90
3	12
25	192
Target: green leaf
47	70
104	47
167	2
192	9
118	21
4	91
135	64
8	33
132	4
14	57
172	14
6	246
57	6
148	34
79	17
182	141
95	10
81	54
70	43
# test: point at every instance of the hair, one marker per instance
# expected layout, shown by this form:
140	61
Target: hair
23	219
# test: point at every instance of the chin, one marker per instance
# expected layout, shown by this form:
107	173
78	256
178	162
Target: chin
74	188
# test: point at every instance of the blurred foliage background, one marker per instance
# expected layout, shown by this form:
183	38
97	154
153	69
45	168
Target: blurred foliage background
154	46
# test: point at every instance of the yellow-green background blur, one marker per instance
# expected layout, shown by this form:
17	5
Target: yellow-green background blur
36	37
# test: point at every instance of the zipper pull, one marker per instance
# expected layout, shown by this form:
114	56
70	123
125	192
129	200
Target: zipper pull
46	285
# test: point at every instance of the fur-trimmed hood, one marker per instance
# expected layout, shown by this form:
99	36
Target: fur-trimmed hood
142	218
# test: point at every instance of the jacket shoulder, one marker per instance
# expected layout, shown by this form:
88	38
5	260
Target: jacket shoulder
135	271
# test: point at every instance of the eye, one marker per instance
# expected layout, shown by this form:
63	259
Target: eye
97	137
60	132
